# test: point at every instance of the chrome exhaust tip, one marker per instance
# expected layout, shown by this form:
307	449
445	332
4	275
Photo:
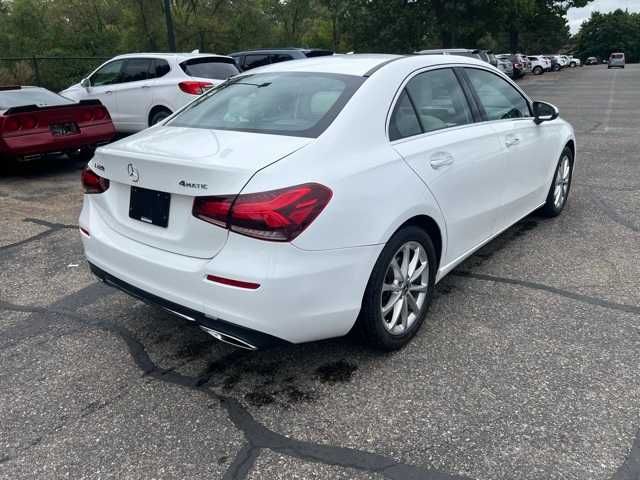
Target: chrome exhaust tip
230	339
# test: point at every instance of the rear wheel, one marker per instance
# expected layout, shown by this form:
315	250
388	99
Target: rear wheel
158	115
399	291
560	186
538	70
572	64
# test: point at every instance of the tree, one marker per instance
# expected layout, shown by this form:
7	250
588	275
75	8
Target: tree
603	34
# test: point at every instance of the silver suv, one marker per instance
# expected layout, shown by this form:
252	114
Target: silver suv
616	60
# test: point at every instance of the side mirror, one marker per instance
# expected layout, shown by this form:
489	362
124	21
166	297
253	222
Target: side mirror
544	112
86	83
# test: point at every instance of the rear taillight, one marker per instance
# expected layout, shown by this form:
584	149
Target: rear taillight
277	215
517	65
92	182
20	122
195	88
100	113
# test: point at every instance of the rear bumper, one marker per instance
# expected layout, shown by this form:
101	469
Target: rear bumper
303	295
43	143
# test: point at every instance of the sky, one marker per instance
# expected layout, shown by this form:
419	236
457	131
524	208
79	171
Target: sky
578	15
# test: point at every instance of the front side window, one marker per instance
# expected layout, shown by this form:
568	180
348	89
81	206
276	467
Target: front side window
279	103
108	74
499	99
135	70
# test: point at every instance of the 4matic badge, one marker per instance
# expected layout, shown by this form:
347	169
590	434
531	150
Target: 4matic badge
199	186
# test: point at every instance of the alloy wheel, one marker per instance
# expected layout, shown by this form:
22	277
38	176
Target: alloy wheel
563	177
404	288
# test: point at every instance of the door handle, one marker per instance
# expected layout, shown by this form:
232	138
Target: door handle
511	141
108	92
146	86
440	159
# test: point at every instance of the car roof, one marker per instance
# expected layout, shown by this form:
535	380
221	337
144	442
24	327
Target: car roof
178	56
360	64
281	49
451	50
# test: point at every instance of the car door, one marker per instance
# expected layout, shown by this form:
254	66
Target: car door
527	148
432	127
134	93
102	83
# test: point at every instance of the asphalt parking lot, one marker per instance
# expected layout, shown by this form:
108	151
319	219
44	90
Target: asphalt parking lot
527	367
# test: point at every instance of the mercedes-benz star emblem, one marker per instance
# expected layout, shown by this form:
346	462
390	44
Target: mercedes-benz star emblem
133	173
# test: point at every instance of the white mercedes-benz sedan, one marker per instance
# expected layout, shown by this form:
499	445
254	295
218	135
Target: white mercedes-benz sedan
310	198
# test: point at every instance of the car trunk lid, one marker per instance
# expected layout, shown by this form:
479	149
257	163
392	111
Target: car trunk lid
158	173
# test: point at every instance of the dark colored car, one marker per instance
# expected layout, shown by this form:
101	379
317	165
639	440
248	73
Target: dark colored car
521	64
592	61
35	122
249	59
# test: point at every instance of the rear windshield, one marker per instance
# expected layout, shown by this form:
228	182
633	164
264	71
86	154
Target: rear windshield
281	103
212	67
30	96
617	55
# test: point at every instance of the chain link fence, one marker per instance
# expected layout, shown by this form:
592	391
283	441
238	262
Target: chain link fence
54	73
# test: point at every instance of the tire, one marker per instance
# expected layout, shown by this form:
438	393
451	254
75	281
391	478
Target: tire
159	115
538	70
556	68
572	64
376	328
561	179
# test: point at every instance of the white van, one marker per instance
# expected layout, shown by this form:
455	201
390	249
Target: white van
616	60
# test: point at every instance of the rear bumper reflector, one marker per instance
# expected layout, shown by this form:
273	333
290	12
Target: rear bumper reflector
233	283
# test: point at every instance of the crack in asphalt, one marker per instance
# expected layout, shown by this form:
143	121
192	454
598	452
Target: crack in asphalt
549	289
51	228
613	215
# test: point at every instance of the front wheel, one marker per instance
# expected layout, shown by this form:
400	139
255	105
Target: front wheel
538	71
399	290
560	186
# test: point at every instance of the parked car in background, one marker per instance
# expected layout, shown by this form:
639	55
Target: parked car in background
616	60
557	63
35	122
505	66
539	64
489	57
238	210
249	59
142	89
591	61
521	65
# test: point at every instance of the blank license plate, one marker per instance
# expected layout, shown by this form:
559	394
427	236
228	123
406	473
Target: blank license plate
149	206
64	129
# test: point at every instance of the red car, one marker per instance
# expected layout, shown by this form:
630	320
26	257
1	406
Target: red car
35	122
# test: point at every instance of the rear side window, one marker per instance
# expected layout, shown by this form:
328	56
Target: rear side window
254	61
278	57
135	69
498	98
404	121
159	68
437	101
279	103
211	67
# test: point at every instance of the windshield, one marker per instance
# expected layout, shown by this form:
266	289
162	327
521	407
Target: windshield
213	67
30	96
281	103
